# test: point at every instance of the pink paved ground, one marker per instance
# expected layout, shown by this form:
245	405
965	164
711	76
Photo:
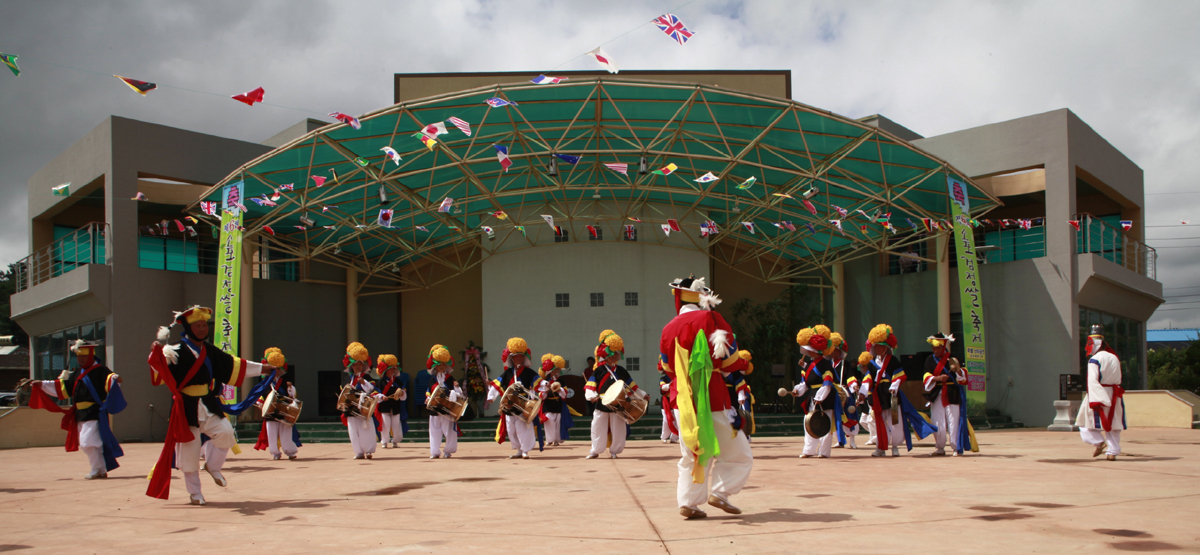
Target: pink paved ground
1028	491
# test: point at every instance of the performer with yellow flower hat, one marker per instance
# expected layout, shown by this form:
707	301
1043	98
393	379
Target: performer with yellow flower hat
895	417
831	368
440	364
853	413
95	393
196	372
393	416
553	417
517	369
609	430
815	386
697	348
942	380
280	438
360	428
866	417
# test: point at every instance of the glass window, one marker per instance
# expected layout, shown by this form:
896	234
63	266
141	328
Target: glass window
599	235
905	264
562	236
1124	335
633	364
597	299
631	299
562	300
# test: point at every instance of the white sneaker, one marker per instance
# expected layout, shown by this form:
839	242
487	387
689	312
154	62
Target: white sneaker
895	451
612	456
359	457
526	455
515	456
435	456
879	453
217	477
383	445
197	499
591	456
447	455
274	457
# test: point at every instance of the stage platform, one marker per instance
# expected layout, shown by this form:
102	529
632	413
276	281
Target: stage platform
1027	491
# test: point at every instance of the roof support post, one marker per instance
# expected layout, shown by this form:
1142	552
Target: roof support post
943	283
839	297
351	305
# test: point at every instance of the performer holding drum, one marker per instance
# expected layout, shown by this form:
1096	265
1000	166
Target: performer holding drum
445	401
280	409
519	404
393	416
609	429
357	401
553	396
697	347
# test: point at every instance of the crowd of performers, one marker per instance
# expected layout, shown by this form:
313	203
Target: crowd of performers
706	402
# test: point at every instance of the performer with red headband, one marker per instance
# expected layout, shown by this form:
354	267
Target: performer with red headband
697	348
280	438
440	364
883	384
609	430
95	393
554	418
196	372
944	380
816	385
393	416
1102	414
517	368
360	428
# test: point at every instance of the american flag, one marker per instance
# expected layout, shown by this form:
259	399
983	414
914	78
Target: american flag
461	125
209	207
622	169
673	27
496	102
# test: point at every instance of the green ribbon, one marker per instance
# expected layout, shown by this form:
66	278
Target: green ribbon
700	371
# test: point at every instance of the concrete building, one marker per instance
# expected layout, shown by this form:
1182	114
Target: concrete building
101	268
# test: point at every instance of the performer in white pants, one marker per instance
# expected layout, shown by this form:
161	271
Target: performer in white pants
553	396
517	369
196	372
361	429
884	383
863	405
441	427
275	437
815	386
724	475
943	376
1102	413
609	430
393	385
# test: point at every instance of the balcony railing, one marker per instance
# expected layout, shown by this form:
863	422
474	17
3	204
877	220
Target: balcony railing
86	245
1111	243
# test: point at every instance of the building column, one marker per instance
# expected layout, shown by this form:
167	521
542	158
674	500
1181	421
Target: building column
351	305
941	247
839	297
246	302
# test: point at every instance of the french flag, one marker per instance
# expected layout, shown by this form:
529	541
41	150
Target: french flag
502	154
544	80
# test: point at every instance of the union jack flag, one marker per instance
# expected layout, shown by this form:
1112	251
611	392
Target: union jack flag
673	27
499	102
209	207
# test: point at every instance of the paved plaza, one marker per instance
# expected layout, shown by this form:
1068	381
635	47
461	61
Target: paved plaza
1028	491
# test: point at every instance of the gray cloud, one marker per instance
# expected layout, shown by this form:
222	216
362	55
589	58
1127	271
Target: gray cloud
1127	68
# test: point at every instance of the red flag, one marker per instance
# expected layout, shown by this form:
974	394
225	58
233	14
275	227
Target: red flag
179	225
268	229
249	98
1074	224
810	207
674	225
592	229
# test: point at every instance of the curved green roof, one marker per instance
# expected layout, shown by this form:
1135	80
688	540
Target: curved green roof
787	147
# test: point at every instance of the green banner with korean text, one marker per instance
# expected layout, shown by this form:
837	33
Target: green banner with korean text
971	296
229	271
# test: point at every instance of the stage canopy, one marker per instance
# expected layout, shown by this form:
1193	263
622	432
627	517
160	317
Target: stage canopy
788	148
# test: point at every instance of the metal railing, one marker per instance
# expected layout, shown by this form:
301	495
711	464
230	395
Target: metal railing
1014	243
86	245
1098	237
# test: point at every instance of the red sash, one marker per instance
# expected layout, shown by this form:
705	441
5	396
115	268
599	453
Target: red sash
1106	419
938	371
177	425
882	423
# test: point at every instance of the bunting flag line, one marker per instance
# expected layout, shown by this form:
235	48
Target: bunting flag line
391	153
811	228
704	229
249	98
502	155
1074	224
838	224
268	229
346	119
191	231
140	87
788	225
287	187
912	224
928	223
863	213
275	197
673	28
592	231
841	211
666	170
435	129
63	190
550	222
496	102
544	80
362	162
500	215
140	196
191	219
638	220
558	231
568	158
179	225
674	224
423	228
622	169
488	230
385	217
747	183
446	204
462	125
1126	224
629	232
749	227
520	228
706	178
809	206
164	227
10	60
209	207
426	140
604	60
264	201
319	180
783	195
712	227
666	229
883	218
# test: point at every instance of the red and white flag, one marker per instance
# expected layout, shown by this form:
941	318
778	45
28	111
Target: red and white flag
629	232
674	225
622	169
666	229
461	125
435	129
209	207
445	206
592	230
319	180
550	221
502	155
604	60
749	227
268	229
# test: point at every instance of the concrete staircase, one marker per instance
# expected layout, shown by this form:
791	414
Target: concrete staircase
994	420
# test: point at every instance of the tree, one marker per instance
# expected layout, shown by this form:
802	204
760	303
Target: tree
8	286
1175	369
768	331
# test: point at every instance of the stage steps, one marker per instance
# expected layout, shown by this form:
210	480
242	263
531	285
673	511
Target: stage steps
995	420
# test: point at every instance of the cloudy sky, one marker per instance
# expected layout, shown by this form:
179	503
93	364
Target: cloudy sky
1129	69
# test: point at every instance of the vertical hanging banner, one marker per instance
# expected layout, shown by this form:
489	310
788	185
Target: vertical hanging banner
971	296
229	270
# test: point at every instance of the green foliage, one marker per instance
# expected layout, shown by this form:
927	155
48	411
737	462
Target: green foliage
768	331
8	286
1175	369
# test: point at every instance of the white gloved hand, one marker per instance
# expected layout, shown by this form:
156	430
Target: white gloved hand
800	389
589	395
822	393
454	397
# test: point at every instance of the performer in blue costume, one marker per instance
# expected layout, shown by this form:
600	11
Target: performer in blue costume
393	414
280	438
894	415
945	383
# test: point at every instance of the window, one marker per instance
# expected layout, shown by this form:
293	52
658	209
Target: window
631	299
599	235
52	352
633	364
904	264
597	299
1124	335
562	300
631	235
285	271
165	253
562	236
